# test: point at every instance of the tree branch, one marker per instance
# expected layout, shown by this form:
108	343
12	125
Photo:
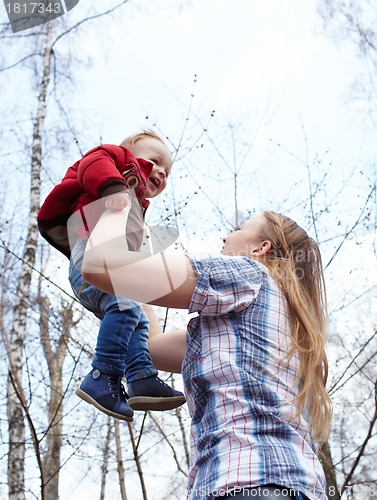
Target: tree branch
364	445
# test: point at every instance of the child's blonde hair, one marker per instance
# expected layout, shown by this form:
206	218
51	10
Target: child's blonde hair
131	140
295	262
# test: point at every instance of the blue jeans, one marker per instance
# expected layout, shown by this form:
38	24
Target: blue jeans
122	342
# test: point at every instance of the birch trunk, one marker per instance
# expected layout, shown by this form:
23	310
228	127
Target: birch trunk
122	484
55	359
105	463
16	457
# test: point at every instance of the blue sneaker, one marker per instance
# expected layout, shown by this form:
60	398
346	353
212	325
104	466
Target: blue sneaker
152	393
106	393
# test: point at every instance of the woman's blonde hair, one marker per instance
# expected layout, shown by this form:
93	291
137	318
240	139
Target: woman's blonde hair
295	262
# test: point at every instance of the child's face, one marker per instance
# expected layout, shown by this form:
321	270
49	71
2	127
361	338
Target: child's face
155	151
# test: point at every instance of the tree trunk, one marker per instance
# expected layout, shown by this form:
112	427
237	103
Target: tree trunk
55	359
329	468
16	425
137	460
122	485
105	463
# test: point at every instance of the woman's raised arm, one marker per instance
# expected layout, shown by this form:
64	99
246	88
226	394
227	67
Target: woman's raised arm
162	279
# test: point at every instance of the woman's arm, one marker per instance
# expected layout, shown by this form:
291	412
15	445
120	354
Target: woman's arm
167	349
162	279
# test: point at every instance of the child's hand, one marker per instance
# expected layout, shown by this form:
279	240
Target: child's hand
118	201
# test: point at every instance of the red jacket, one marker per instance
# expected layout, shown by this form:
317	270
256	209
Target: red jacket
102	171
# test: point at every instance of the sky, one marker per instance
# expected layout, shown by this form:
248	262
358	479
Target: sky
270	59
266	67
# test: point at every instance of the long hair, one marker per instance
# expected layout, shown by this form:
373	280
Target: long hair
295	262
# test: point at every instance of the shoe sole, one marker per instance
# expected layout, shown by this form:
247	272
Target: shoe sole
83	395
145	403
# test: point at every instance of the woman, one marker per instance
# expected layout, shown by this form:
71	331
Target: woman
255	367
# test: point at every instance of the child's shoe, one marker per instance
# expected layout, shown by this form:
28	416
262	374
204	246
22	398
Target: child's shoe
106	393
152	393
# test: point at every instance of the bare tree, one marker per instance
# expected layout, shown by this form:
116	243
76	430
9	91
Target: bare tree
55	356
105	460
18	331
355	21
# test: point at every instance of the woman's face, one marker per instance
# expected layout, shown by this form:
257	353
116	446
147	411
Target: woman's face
245	241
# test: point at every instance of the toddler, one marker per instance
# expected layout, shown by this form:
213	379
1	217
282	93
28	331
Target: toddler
143	163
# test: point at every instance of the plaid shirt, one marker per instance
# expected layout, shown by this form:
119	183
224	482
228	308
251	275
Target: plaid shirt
239	388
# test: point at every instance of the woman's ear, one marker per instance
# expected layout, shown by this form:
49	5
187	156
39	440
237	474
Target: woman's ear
264	249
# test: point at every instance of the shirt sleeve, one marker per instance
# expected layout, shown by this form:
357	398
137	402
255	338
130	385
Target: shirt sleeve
100	168
225	284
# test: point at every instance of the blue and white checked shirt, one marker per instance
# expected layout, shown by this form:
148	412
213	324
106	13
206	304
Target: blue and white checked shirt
239	389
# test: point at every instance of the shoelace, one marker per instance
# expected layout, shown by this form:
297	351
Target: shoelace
162	382
116	386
